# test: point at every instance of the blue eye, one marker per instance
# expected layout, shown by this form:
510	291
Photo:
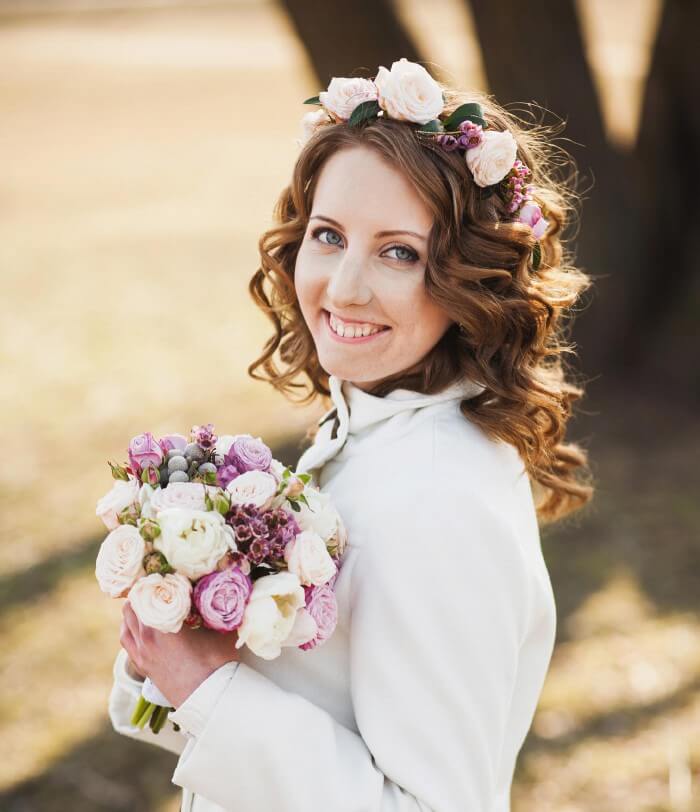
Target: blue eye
316	232
411	257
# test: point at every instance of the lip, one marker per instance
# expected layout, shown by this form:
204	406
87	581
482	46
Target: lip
343	339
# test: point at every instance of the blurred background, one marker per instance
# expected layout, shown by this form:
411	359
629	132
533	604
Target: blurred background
143	147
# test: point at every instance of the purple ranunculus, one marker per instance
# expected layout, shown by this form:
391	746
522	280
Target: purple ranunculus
323	608
144	451
226	474
248	453
221	598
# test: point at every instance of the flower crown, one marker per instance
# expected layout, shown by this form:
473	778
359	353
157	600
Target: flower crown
408	92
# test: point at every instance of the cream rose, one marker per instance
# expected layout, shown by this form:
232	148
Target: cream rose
345	94
162	601
308	558
122	494
320	516
179	495
193	541
493	158
253	487
310	122
223	443
270	614
120	560
408	92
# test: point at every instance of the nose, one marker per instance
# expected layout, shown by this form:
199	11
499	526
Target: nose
348	283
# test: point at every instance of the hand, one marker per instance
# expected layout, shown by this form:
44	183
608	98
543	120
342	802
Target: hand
176	663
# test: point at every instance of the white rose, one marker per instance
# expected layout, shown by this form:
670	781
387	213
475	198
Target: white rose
120	560
193	541
308	558
320	516
270	614
408	92
345	94
256	487
179	494
310	122
224	443
162	601
493	158
122	494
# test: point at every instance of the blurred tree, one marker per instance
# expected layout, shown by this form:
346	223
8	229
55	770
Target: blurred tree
344	39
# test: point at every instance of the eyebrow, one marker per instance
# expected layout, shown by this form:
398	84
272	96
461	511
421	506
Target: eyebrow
378	234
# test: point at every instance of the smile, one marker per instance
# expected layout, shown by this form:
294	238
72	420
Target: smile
352	333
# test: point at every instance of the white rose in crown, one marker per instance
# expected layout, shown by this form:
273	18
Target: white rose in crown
493	158
122	494
308	558
162	601
310	122
345	94
120	560
256	487
408	92
179	494
270	614
320	515
193	541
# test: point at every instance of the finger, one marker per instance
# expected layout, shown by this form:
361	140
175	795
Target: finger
126	639
131	620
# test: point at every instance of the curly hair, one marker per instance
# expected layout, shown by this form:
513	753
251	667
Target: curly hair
510	322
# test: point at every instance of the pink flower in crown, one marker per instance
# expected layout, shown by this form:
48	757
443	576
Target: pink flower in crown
144	450
531	215
472	134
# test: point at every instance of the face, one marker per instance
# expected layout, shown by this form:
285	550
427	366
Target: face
360	271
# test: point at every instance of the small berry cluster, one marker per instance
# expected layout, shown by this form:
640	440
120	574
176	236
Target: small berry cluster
471	135
519	191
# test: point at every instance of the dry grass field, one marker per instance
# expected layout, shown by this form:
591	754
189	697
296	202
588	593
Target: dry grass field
143	151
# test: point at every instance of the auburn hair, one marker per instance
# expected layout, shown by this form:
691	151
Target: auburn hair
510	321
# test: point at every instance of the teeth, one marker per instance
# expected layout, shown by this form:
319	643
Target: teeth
352	331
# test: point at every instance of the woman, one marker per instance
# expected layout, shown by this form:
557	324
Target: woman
413	276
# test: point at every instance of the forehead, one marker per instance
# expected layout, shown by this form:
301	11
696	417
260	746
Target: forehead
357	186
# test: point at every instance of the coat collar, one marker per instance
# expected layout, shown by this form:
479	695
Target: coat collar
355	410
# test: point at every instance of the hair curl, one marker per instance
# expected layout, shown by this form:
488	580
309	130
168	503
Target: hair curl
510	325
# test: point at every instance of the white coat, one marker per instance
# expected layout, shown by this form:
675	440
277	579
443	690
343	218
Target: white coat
423	696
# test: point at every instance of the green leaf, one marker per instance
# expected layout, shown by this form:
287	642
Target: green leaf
303	499
305	478
536	256
295	506
434	126
471	111
364	112
312	100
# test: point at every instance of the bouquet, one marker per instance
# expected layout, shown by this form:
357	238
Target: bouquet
214	532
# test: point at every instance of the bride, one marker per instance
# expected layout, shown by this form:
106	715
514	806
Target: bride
417	280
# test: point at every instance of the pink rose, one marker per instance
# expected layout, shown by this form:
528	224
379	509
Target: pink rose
144	451
221	598
170	441
248	453
323	608
531	215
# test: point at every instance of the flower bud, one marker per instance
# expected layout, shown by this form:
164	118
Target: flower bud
295	488
129	515
150	475
156	562
149	529
119	472
193	620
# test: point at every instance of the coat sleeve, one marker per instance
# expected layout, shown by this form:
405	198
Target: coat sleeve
122	701
439	607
